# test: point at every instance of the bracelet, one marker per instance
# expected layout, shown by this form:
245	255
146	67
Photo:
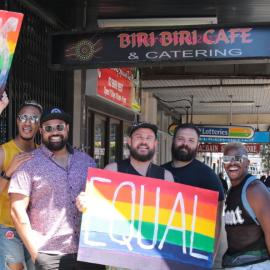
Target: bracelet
3	175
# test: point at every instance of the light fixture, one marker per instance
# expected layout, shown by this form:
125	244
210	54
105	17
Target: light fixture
155	22
189	100
227	103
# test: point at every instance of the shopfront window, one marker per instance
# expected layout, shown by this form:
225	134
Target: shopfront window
99	142
106	138
114	143
125	140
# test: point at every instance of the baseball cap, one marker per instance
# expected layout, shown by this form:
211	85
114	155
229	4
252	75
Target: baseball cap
138	125
55	113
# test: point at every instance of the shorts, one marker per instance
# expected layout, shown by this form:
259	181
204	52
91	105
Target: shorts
265	265
12	249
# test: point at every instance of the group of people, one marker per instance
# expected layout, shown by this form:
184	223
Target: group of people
42	192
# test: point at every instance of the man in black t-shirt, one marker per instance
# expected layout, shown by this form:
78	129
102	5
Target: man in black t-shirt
247	215
190	171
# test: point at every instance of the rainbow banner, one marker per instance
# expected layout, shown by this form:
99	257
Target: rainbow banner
144	223
10	25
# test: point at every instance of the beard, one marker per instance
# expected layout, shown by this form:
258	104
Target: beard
137	156
183	153
55	146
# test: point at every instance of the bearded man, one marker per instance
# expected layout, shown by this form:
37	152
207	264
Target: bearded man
186	169
142	145
43	192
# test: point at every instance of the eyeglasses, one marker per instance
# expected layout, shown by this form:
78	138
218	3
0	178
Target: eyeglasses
25	117
52	128
237	159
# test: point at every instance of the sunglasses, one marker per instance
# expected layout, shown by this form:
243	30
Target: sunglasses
237	159
52	128
25	117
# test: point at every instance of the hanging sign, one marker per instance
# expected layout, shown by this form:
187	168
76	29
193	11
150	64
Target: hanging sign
148	47
10	25
119	86
137	222
229	132
258	137
219	148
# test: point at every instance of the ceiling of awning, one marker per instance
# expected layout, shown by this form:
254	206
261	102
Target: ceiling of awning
214	95
219	81
228	12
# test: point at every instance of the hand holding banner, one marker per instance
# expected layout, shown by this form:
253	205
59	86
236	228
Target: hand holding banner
10	25
145	223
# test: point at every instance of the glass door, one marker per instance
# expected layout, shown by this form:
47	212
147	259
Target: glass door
99	140
114	140
126	127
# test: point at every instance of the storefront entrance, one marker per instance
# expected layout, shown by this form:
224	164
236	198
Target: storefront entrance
106	138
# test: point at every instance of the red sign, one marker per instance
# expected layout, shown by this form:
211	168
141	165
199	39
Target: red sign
116	84
218	148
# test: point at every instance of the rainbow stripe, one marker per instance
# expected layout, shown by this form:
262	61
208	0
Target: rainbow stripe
150	217
242	132
10	25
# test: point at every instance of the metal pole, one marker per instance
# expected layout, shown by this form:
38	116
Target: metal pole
230	96
187	114
191	110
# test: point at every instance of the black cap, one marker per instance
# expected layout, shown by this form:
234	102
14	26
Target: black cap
138	125
55	113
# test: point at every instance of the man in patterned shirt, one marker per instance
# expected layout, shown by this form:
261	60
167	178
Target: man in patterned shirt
47	186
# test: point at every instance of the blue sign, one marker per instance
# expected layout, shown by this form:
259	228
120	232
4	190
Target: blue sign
230	132
214	131
259	137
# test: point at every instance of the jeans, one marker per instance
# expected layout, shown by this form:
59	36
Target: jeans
12	250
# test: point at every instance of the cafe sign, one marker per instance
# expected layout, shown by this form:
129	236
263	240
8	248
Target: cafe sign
147	47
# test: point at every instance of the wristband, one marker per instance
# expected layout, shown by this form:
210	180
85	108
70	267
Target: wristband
3	175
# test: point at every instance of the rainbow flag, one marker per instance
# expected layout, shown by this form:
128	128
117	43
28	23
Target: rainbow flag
145	223
10	25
